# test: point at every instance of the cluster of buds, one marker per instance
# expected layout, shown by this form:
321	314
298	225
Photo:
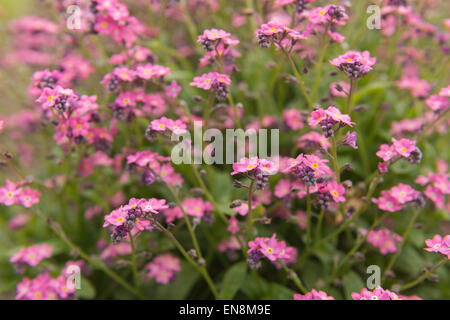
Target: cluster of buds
327	126
254	259
277	33
324	200
262	179
121	231
216	39
336	13
307	175
220	90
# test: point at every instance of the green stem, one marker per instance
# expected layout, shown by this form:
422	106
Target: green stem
186	220
335	159
401	244
345	225
230	97
208	194
308	216
323	47
353	250
293	276
319	226
201	269
250	212
424	276
95	263
348	107
299	79
189	22
133	261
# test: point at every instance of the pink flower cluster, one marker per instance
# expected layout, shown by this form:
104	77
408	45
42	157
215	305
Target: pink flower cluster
437	187
279	34
270	248
165	124
113	18
163	268
313	295
153	163
246	165
377	294
13	193
326	19
384	240
398	197
44	287
405	148
354	64
439	245
133	217
32	255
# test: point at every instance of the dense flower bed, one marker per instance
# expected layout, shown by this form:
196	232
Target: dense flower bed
97	95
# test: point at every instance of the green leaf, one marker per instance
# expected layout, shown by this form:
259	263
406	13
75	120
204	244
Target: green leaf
279	292
352	283
179	289
87	290
232	281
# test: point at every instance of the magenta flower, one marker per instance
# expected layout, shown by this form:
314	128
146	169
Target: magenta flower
173	89
313	295
293	119
377	294
336	190
404	147
270	248
196	207
350	140
385	240
397	197
439	245
233	226
163	268
354	64
32	255
213	80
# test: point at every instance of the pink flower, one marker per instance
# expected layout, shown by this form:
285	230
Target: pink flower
196	207
387	202
386	152
336	190
117	217
339	89
350	140
245	165
317	164
435	245
404	147
29	197
354	64
437	103
313	295
173	89
271	248
32	255
419	88
403	193
233	226
377	294
293	119
9	194
163	268
384	240
207	80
